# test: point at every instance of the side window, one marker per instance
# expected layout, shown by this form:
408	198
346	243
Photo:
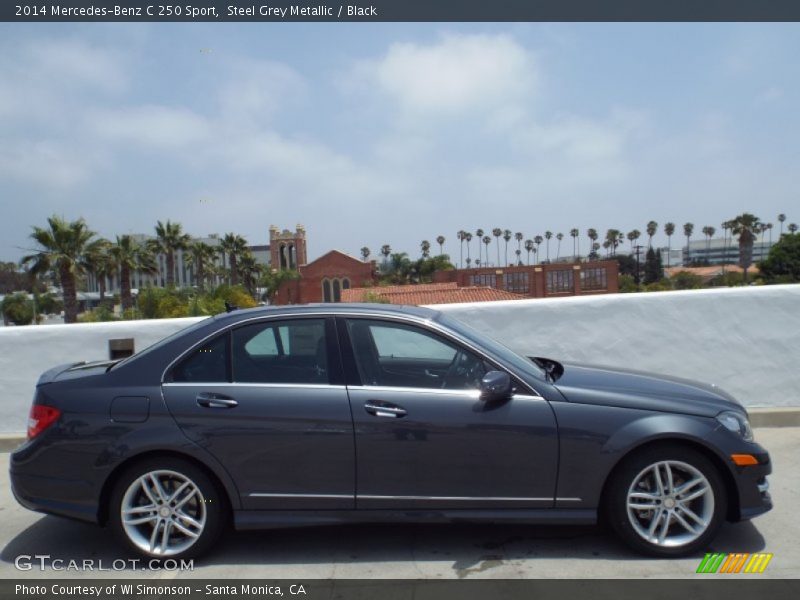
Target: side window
399	355
208	363
281	352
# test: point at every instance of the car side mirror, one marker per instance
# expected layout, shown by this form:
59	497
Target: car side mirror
496	385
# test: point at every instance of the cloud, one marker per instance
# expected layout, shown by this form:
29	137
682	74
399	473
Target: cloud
151	126
456	74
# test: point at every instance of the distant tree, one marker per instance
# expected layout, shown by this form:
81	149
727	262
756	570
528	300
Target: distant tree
486	241
249	271
497	232
781	219
62	247
626	264
746	227
633	236
130	256
538	241
425	246
782	265
592	235
479	236
653	269
559	237
460	237
688	229
669	230
686	280
169	239
574	233
13	279
792	228
202	262
17	309
468	238
440	240
98	262
386	250
519	237
652	228
235	246
548	235
529	247
365	252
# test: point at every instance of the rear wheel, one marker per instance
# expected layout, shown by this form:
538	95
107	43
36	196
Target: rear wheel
167	508
666	501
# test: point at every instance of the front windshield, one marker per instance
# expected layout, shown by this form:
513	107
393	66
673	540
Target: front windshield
162	342
492	345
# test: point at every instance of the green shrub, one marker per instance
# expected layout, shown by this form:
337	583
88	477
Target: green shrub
18	309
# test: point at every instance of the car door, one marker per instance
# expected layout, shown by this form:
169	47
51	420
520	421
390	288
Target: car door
268	400
425	439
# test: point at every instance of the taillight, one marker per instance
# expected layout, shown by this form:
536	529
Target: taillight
40	418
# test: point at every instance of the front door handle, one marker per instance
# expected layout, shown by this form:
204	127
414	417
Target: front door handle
208	400
379	408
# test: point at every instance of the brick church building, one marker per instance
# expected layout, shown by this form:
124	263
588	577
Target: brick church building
321	280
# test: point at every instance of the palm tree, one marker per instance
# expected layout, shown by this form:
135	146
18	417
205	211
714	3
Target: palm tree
497	232
235	246
169	239
688	228
548	236
781	219
202	261
792	228
613	237
746	226
425	246
479	237
726	225
652	228
62	248
365	252
633	236
386	250
519	237
518	252
769	228
98	263
592	235
575	233
249	270
709	231
529	248
538	241
559	237
460	237
440	240
507	238
131	256
669	230
486	241
468	238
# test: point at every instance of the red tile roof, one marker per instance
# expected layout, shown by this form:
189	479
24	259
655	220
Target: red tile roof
429	293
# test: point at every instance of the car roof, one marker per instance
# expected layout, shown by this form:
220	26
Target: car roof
332	308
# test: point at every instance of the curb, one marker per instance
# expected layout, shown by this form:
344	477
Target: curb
759	417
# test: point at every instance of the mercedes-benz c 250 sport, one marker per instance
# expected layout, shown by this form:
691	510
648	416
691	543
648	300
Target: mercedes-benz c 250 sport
304	415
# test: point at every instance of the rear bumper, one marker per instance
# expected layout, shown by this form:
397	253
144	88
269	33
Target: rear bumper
39	493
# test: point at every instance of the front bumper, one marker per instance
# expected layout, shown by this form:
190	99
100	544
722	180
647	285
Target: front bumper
753	486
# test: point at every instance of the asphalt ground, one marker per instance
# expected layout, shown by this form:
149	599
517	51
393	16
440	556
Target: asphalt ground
409	551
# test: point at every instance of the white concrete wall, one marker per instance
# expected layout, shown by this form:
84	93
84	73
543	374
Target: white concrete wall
747	340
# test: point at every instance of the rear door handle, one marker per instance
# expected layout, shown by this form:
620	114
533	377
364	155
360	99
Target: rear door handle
379	408
215	401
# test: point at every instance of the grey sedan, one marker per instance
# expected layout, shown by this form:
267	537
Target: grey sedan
305	415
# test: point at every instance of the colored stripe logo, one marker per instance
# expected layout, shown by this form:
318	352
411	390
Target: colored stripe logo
735	562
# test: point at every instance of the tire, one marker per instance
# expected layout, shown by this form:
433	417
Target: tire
673	522
193	515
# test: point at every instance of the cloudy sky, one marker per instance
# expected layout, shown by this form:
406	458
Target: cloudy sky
393	133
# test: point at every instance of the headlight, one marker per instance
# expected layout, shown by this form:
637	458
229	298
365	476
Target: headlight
737	423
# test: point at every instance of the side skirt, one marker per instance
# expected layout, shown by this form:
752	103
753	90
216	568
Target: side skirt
277	519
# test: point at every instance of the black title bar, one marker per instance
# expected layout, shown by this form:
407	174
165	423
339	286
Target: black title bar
401	10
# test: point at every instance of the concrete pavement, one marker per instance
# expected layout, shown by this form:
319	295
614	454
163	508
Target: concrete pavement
418	551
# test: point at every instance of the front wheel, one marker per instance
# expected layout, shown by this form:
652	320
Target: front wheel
668	501
166	508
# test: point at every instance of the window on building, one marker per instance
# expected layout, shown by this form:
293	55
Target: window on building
594	279
484	280
516	282
559	281
326	291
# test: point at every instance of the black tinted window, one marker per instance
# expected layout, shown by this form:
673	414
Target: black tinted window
281	352
399	355
208	363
